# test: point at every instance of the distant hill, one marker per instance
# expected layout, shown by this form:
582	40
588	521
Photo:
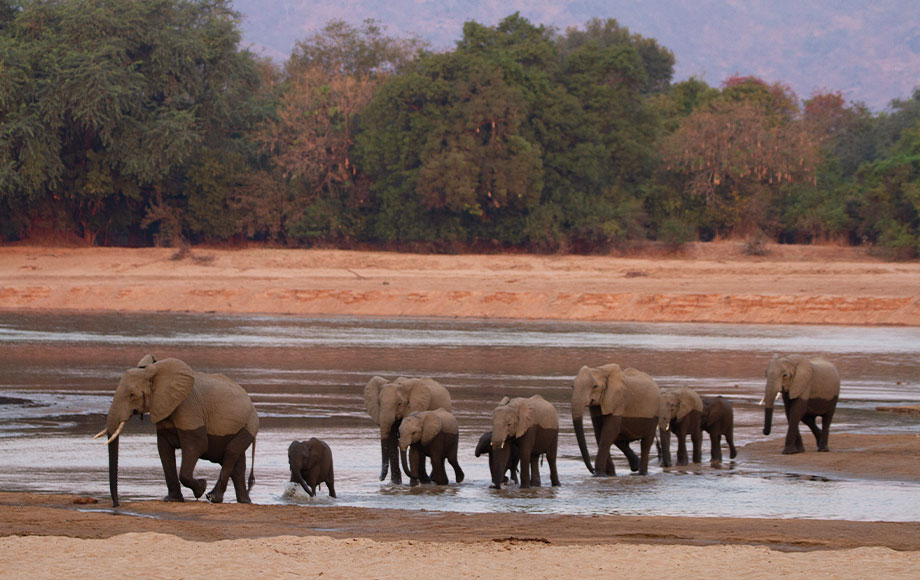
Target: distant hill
869	51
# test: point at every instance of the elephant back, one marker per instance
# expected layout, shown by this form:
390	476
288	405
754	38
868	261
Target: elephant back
545	414
218	404
448	421
642	395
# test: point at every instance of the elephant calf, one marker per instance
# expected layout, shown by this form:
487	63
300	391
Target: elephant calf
484	447
718	420
311	464
433	434
533	425
680	410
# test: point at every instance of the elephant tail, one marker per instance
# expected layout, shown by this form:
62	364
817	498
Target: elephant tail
252	467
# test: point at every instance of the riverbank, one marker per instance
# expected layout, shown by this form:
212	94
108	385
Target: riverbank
715	282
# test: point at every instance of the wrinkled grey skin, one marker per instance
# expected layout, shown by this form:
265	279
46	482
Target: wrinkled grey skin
531	424
311	464
484	447
433	434
810	388
680	412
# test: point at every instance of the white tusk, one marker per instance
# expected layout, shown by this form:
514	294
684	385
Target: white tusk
117	433
99	434
503	444
762	400
777	396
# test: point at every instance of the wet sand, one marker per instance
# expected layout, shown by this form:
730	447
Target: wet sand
53	536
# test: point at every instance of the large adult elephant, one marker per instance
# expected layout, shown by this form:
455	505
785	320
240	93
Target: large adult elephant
533	425
624	407
810	388
388	402
206	416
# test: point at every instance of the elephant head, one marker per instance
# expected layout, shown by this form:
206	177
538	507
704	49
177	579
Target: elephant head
788	374
510	420
602	386
417	428
674	405
389	402
154	387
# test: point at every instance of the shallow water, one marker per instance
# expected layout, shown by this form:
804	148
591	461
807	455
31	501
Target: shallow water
306	375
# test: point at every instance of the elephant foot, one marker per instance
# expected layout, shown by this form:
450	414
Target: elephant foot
172	498
792	451
823	449
198	487
215	497
245	499
495	486
413	482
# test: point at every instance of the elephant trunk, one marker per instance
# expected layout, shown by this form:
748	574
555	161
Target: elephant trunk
579	426
405	464
385	457
498	461
767	420
113	470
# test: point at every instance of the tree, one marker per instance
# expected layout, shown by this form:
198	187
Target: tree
104	106
740	150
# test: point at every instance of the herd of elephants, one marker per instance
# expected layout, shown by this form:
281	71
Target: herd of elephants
209	416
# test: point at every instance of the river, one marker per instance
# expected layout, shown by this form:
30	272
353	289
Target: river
306	377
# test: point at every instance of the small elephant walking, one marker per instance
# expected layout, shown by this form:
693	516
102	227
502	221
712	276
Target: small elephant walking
533	425
484	447
433	434
680	410
206	416
311	465
810	388
718	420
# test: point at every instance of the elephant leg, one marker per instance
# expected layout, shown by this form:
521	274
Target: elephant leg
795	410
526	464
238	477
166	447
452	459
330	482
826	428
194	445
645	448
682	446
715	453
603	465
230	454
598	419
423	475
394	451
551	459
631	457
812	422
696	438
535	471
438	471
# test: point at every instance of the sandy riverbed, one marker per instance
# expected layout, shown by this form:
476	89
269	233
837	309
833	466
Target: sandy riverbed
49	536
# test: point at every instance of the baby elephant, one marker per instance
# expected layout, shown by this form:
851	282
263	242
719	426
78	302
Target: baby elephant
431	434
484	447
718	420
311	464
680	411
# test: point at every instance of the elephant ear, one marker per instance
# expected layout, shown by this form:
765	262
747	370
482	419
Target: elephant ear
613	400
419	396
431	426
525	418
146	361
685	404
372	397
172	382
505	400
801	380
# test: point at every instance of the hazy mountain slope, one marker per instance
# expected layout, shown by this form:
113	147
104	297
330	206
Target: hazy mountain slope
870	51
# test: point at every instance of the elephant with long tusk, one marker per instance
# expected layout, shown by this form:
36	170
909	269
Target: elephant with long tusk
206	416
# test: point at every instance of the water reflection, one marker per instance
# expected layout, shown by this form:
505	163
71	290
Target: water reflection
58	372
